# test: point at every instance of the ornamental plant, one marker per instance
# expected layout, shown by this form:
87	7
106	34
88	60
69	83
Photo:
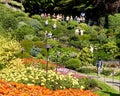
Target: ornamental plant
8	50
34	76
14	89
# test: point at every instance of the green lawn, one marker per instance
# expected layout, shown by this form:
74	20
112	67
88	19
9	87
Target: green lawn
106	90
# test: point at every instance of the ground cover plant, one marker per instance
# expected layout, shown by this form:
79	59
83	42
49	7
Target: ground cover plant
12	88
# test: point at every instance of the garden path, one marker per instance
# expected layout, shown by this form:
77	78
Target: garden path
110	81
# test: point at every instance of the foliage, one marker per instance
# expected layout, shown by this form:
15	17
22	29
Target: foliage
16	4
8	50
101	37
101	53
11	88
9	22
35	76
107	90
20	24
71	25
35	51
36	17
35	24
73	63
27	45
114	21
21	32
87	70
110	48
86	56
90	83
107	72
2	31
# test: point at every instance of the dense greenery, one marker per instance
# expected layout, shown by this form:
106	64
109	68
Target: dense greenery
29	31
18	30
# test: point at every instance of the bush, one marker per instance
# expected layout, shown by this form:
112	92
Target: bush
70	26
63	23
36	17
35	51
107	72
86	56
27	45
87	70
73	63
35	24
114	21
9	22
20	14
16	4
90	83
20	33
9	49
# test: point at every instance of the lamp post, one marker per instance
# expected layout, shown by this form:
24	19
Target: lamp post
47	55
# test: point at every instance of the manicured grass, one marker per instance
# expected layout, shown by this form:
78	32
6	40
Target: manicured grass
106	90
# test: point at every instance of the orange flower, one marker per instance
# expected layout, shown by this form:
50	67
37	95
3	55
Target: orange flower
15	89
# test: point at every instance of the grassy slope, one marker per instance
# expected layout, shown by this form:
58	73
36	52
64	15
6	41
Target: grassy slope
106	90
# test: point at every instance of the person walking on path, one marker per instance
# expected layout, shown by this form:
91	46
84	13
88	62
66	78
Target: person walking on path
99	65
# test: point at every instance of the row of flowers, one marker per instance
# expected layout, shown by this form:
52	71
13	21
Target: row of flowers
15	89
35	61
30	75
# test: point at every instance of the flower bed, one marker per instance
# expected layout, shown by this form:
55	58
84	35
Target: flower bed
34	60
15	89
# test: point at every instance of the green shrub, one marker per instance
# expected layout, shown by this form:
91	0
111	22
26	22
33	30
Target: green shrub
9	49
102	22
63	23
20	24
35	24
70	26
86	56
73	63
107	72
102	37
114	21
117	73
27	45
87	70
9	22
21	32
90	83
64	39
35	51
101	53
36	17
39	44
16	4
20	14
29	37
2	29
